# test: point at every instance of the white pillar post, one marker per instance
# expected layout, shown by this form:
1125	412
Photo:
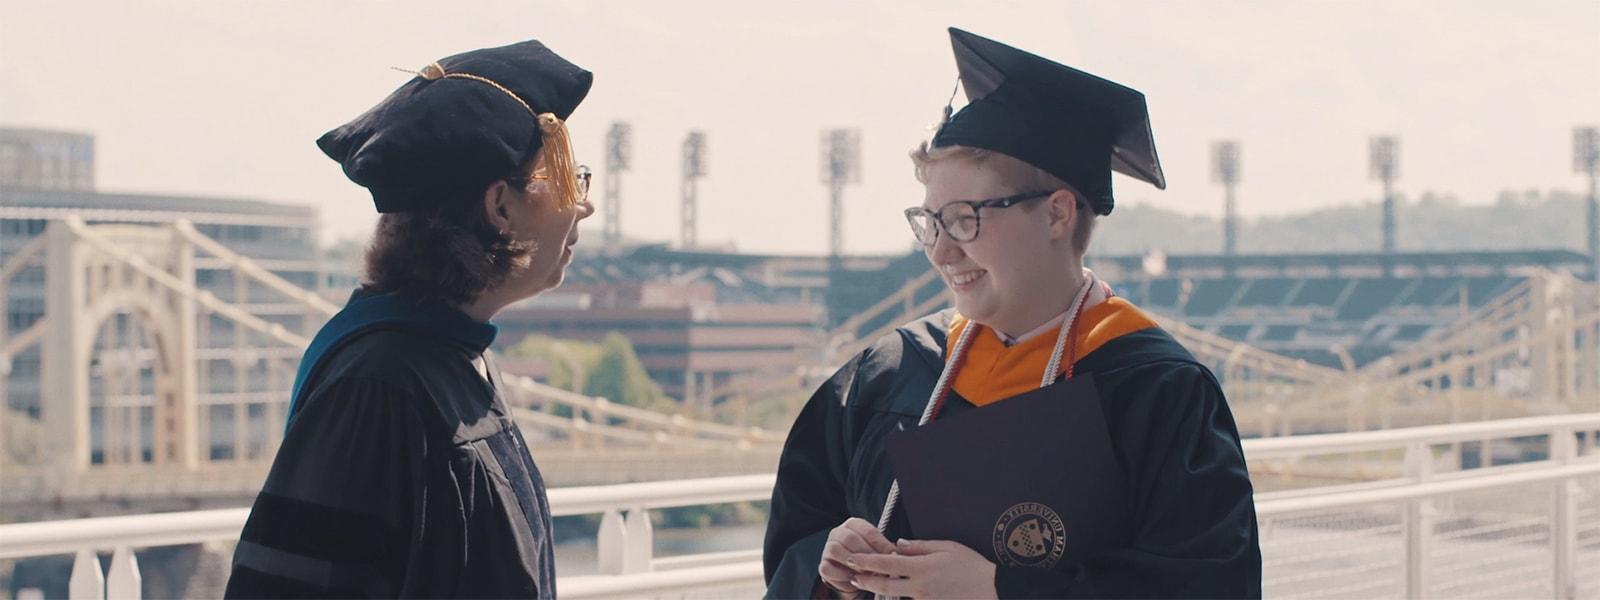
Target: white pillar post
1418	521
640	542
1563	528
87	582
124	581
612	543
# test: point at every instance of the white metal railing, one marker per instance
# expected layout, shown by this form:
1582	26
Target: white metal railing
625	539
1437	529
1299	446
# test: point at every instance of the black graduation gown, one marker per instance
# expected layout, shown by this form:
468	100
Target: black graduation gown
1194	526
402	475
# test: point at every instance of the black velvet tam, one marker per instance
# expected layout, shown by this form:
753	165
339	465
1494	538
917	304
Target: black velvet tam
1069	123
459	125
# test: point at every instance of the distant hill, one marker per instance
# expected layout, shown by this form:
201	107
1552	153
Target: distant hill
1515	220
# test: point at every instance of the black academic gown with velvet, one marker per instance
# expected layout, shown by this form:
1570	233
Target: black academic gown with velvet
1193	516
400	476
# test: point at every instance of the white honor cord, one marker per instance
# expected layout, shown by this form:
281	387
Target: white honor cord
927	413
960	353
1054	369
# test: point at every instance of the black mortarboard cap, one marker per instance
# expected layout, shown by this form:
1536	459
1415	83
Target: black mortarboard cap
1069	123
462	123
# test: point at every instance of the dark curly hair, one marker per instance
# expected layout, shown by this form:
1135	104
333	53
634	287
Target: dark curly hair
451	254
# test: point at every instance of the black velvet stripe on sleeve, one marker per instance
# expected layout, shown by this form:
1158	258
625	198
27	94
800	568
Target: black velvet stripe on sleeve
338	511
262	572
321	533
247	582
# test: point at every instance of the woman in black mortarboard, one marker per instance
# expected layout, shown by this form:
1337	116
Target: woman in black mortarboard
1046	438
401	473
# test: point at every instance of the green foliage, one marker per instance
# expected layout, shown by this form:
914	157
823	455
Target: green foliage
22	438
570	361
610	369
773	411
701	517
620	377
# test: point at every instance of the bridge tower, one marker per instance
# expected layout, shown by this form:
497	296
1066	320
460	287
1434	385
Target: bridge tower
89	287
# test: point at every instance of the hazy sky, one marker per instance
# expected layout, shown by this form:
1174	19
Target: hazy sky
224	97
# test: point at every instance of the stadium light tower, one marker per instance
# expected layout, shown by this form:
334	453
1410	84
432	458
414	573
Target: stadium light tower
1385	161
694	167
1225	170
1586	159
841	165
619	151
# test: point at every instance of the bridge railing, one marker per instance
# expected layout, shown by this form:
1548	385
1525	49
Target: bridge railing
594	414
625	540
1506	508
1522	520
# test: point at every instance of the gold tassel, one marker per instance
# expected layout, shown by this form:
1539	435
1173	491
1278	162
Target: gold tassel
558	164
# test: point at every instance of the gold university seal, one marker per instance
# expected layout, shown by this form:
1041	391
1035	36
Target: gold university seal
1030	534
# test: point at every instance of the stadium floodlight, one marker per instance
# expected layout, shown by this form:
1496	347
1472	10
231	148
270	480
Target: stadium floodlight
619	152
841	165
619	146
841	156
1585	149
694	148
1384	151
1225	170
694	167
1586	159
1225	162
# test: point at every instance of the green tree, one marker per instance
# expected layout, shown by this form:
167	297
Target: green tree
570	361
610	370
620	377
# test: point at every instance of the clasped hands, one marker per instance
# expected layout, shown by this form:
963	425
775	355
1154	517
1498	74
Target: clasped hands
858	560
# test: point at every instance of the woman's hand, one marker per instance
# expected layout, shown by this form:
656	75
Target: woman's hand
851	539
925	569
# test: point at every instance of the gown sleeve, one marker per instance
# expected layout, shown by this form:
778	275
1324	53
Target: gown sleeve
809	498
363	500
1194	515
337	512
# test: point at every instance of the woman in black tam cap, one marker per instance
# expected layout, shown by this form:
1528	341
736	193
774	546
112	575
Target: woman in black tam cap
1045	439
401	472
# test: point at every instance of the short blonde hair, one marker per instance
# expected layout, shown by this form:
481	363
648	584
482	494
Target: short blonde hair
1016	174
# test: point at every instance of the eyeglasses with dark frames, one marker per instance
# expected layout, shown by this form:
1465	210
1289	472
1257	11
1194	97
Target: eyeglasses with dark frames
960	219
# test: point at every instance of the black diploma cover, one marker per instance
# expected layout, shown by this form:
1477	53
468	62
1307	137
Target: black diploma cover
1029	481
